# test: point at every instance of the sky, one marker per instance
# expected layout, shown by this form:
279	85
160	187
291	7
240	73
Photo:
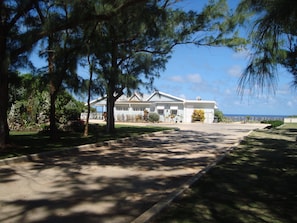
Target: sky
212	73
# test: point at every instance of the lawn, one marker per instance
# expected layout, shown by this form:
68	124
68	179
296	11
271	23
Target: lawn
255	183
24	143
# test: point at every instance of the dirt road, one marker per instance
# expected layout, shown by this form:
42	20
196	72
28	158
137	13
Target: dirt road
114	183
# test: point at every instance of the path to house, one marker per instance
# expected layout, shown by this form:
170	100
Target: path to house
112	184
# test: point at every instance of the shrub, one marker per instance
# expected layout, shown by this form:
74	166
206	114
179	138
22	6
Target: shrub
273	123
138	118
219	115
198	115
153	117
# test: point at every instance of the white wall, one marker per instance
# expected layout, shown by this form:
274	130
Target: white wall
184	112
209	114
290	120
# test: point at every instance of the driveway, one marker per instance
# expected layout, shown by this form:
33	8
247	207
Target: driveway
114	183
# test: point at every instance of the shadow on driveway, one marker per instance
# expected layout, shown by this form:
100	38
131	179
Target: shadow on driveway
106	184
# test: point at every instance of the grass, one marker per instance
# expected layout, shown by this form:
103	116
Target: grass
24	143
255	183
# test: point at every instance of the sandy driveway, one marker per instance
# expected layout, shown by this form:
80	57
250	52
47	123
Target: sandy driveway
115	183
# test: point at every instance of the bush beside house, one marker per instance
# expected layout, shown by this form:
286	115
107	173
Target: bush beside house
198	115
153	117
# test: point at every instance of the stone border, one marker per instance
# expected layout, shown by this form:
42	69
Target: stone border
109	143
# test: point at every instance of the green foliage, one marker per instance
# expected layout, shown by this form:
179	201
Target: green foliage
273	42
153	117
130	42
134	49
30	105
198	115
273	123
219	115
67	108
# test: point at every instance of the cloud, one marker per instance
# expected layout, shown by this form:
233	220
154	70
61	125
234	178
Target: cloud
194	78
228	91
290	104
191	78
235	71
176	78
182	96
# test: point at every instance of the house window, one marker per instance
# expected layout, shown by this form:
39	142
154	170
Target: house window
173	112
139	108
121	108
160	110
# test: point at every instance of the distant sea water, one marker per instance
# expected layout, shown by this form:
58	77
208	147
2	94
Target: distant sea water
258	118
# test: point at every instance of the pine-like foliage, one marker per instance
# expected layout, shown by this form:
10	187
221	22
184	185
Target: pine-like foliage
273	41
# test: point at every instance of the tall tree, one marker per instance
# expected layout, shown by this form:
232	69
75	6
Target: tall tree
136	43
89	89
61	55
132	48
22	27
273	42
14	16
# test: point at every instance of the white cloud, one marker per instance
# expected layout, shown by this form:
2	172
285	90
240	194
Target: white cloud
176	78
191	78
194	78
228	91
235	71
182	96
290	104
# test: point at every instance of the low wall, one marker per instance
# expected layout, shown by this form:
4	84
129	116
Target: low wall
290	120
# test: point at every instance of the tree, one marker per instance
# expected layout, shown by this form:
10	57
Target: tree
219	116
14	15
124	52
273	41
136	43
61	52
135	39
27	90
16	41
91	63
30	103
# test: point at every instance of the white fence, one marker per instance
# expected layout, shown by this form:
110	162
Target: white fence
96	116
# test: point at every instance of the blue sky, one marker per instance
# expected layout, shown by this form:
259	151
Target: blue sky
212	73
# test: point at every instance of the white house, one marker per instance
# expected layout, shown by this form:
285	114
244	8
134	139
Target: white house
169	108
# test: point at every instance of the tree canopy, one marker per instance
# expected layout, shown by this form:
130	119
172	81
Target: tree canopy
273	41
128	41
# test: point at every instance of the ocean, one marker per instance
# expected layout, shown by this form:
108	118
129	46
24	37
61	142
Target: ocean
257	118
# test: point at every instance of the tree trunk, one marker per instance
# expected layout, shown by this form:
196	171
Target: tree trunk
53	91
4	130
86	131
110	127
4	62
53	126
